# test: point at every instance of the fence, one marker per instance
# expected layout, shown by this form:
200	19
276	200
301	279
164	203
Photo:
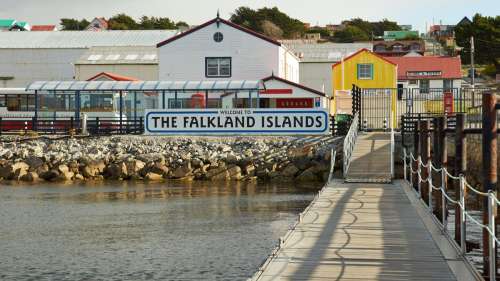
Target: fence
61	125
425	163
378	105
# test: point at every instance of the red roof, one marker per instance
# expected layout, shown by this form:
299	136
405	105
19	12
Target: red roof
272	77
449	67
359	52
43	27
244	29
112	76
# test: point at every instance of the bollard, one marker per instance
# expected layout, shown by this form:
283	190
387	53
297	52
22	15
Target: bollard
365	125
84	124
385	124
460	165
418	177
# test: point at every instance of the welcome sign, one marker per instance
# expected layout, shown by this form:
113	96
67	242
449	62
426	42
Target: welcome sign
237	121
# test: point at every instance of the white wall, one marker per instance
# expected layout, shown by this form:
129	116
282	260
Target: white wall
288	66
28	65
146	72
184	58
316	75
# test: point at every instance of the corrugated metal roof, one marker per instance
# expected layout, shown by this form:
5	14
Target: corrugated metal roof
120	55
228	85
83	39
312	51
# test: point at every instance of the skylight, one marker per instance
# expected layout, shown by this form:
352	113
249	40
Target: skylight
94	57
131	56
149	57
112	57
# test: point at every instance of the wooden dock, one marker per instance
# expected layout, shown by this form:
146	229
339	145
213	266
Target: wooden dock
375	231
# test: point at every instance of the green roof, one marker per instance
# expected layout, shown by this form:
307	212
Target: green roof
21	23
6	22
398	35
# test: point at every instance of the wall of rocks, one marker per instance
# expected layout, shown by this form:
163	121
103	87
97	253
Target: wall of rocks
167	158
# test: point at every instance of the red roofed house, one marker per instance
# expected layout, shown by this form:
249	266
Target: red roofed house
43	28
98	24
428	72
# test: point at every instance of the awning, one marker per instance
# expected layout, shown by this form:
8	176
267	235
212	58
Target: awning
182	86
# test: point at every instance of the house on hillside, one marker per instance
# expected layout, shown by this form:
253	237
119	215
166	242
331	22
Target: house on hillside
20	26
398	48
98	24
222	50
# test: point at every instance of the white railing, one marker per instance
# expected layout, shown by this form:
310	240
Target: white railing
493	203
349	142
333	157
393	147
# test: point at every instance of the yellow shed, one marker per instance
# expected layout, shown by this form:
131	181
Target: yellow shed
365	69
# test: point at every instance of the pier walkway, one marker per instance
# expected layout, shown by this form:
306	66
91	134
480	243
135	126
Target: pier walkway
372	230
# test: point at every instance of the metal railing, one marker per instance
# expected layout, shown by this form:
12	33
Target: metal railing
493	203
349	142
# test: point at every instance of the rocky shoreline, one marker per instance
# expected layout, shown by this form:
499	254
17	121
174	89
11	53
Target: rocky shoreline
166	158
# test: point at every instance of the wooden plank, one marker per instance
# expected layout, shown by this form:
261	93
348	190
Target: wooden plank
371	158
360	232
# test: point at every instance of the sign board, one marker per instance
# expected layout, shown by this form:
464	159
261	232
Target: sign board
252	121
423	73
448	102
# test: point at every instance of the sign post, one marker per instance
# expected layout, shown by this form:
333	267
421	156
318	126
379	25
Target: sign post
448	102
237	122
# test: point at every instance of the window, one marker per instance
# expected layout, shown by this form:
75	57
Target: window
415	47
413	82
379	48
397	48
424	86
218	37
365	71
448	84
218	67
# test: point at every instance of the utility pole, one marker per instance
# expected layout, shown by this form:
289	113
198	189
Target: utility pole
473	74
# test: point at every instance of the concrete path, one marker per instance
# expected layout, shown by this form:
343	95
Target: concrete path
366	232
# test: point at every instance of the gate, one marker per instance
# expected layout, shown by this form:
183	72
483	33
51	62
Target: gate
377	107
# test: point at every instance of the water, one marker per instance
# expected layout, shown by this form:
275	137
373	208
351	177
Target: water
143	232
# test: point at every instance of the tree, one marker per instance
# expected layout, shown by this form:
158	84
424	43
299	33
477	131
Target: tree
254	20
122	22
156	23
271	30
323	32
350	34
384	25
74	24
180	24
486	32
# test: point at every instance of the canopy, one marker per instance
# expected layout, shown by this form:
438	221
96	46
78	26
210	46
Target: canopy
183	86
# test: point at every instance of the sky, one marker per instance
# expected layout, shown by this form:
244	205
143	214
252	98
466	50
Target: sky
417	13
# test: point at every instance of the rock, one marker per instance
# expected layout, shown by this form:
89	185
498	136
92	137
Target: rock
34	162
133	167
13	171
116	171
308	175
79	177
30	177
196	163
50	175
157	168
249	170
216	174
153	177
290	171
182	171
234	172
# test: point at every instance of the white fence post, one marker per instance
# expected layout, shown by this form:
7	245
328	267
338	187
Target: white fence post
429	178
492	243
463	244
419	160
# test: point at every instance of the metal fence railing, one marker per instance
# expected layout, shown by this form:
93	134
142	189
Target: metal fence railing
349	142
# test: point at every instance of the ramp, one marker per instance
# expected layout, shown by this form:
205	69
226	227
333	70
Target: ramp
369	232
371	158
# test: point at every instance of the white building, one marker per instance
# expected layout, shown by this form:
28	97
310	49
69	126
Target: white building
222	50
43	56
140	62
316	60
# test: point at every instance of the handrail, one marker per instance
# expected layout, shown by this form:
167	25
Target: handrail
333	157
349	142
493	203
